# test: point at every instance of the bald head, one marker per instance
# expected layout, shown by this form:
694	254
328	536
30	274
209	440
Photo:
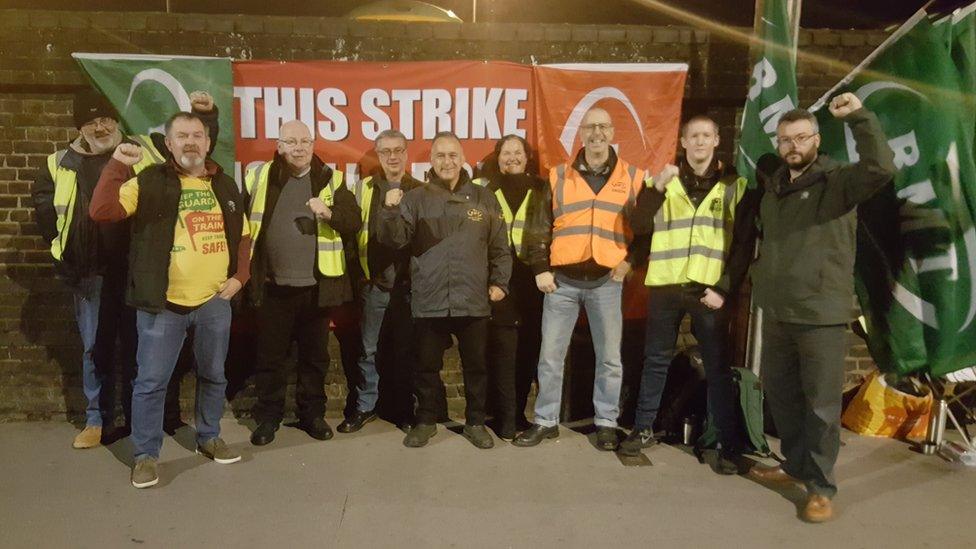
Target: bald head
596	133
295	144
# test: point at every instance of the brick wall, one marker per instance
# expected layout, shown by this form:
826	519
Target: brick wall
39	346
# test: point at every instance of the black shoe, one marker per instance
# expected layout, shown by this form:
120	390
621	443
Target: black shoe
356	421
170	426
535	435
606	438
316	428
727	463
264	433
419	435
637	440
503	429
479	436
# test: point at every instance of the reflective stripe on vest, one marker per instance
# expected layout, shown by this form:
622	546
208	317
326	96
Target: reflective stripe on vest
587	226
691	244
331	260
364	197
515	223
66	186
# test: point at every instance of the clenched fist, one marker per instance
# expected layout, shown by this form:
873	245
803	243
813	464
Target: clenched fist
495	293
393	197
667	174
546	282
844	104
128	154
201	101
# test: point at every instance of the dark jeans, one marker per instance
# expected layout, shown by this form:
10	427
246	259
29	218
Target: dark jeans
803	378
513	354
291	314
432	337
666	308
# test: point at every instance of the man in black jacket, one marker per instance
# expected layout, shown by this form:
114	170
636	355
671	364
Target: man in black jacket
384	272
298	210
803	281
460	260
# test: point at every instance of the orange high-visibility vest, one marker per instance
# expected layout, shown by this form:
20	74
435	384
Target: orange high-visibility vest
591	226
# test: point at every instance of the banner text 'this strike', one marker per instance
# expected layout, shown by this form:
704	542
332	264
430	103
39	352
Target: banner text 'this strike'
471	113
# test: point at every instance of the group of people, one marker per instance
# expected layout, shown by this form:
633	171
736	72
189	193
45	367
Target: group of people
156	240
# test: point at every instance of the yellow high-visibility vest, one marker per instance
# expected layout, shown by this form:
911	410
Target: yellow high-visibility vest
364	197
514	222
691	244
66	188
331	260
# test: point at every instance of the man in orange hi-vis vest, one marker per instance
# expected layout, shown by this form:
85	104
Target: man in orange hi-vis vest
577	243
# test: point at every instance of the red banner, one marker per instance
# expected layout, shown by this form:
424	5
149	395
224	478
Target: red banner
348	103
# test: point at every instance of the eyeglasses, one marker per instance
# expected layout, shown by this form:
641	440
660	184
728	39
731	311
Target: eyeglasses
390	152
103	121
591	127
795	140
293	142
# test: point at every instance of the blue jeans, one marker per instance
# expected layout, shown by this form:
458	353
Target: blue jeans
161	337
375	303
560	309
666	307
102	317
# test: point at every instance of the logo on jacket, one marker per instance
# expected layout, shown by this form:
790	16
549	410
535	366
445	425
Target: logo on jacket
804	195
474	214
716	206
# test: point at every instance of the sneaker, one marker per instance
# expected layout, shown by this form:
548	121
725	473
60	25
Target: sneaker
89	437
217	450
144	473
478	435
637	440
419	435
606	438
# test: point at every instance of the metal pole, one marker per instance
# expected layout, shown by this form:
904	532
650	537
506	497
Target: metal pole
474	11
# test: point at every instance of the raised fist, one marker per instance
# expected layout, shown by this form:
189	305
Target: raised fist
844	104
128	154
393	197
667	174
201	101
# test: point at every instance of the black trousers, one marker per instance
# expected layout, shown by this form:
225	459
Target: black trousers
433	337
291	314
513	355
803	378
396	359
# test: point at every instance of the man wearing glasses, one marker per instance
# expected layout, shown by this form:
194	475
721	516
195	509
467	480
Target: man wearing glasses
298	211
387	327
577	243
803	280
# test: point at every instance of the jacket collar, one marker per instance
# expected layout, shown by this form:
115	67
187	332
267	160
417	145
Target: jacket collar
319	170
815	173
580	165
463	179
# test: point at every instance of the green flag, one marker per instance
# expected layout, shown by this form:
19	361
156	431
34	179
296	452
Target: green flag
772	87
916	259
148	89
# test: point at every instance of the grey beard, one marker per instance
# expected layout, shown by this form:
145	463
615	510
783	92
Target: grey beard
105	144
189	163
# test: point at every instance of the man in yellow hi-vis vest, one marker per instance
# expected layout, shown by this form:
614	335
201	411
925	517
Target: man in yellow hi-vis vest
298	209
697	260
92	257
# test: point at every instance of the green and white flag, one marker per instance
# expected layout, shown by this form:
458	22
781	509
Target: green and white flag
148	89
916	262
772	87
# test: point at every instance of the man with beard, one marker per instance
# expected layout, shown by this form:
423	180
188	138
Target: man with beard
91	258
460	262
577	244
803	281
189	255
298	210
387	329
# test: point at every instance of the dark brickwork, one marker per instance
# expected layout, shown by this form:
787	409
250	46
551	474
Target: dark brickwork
39	345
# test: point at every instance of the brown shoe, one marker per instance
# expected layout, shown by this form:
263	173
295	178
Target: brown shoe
818	509
90	437
771	474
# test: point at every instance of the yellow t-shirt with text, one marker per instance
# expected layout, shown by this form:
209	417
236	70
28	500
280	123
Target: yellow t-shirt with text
199	259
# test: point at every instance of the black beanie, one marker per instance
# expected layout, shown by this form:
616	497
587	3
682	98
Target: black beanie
89	105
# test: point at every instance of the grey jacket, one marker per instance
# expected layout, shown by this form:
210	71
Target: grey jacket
458	247
805	270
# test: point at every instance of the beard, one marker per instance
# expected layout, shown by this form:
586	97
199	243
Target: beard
190	162
102	145
798	161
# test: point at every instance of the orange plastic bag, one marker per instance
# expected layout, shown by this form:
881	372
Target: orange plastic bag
882	411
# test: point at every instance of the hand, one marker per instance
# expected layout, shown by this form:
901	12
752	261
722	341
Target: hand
666	175
128	154
201	101
546	282
620	272
229	288
844	104
712	299
393	197
495	293
319	208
